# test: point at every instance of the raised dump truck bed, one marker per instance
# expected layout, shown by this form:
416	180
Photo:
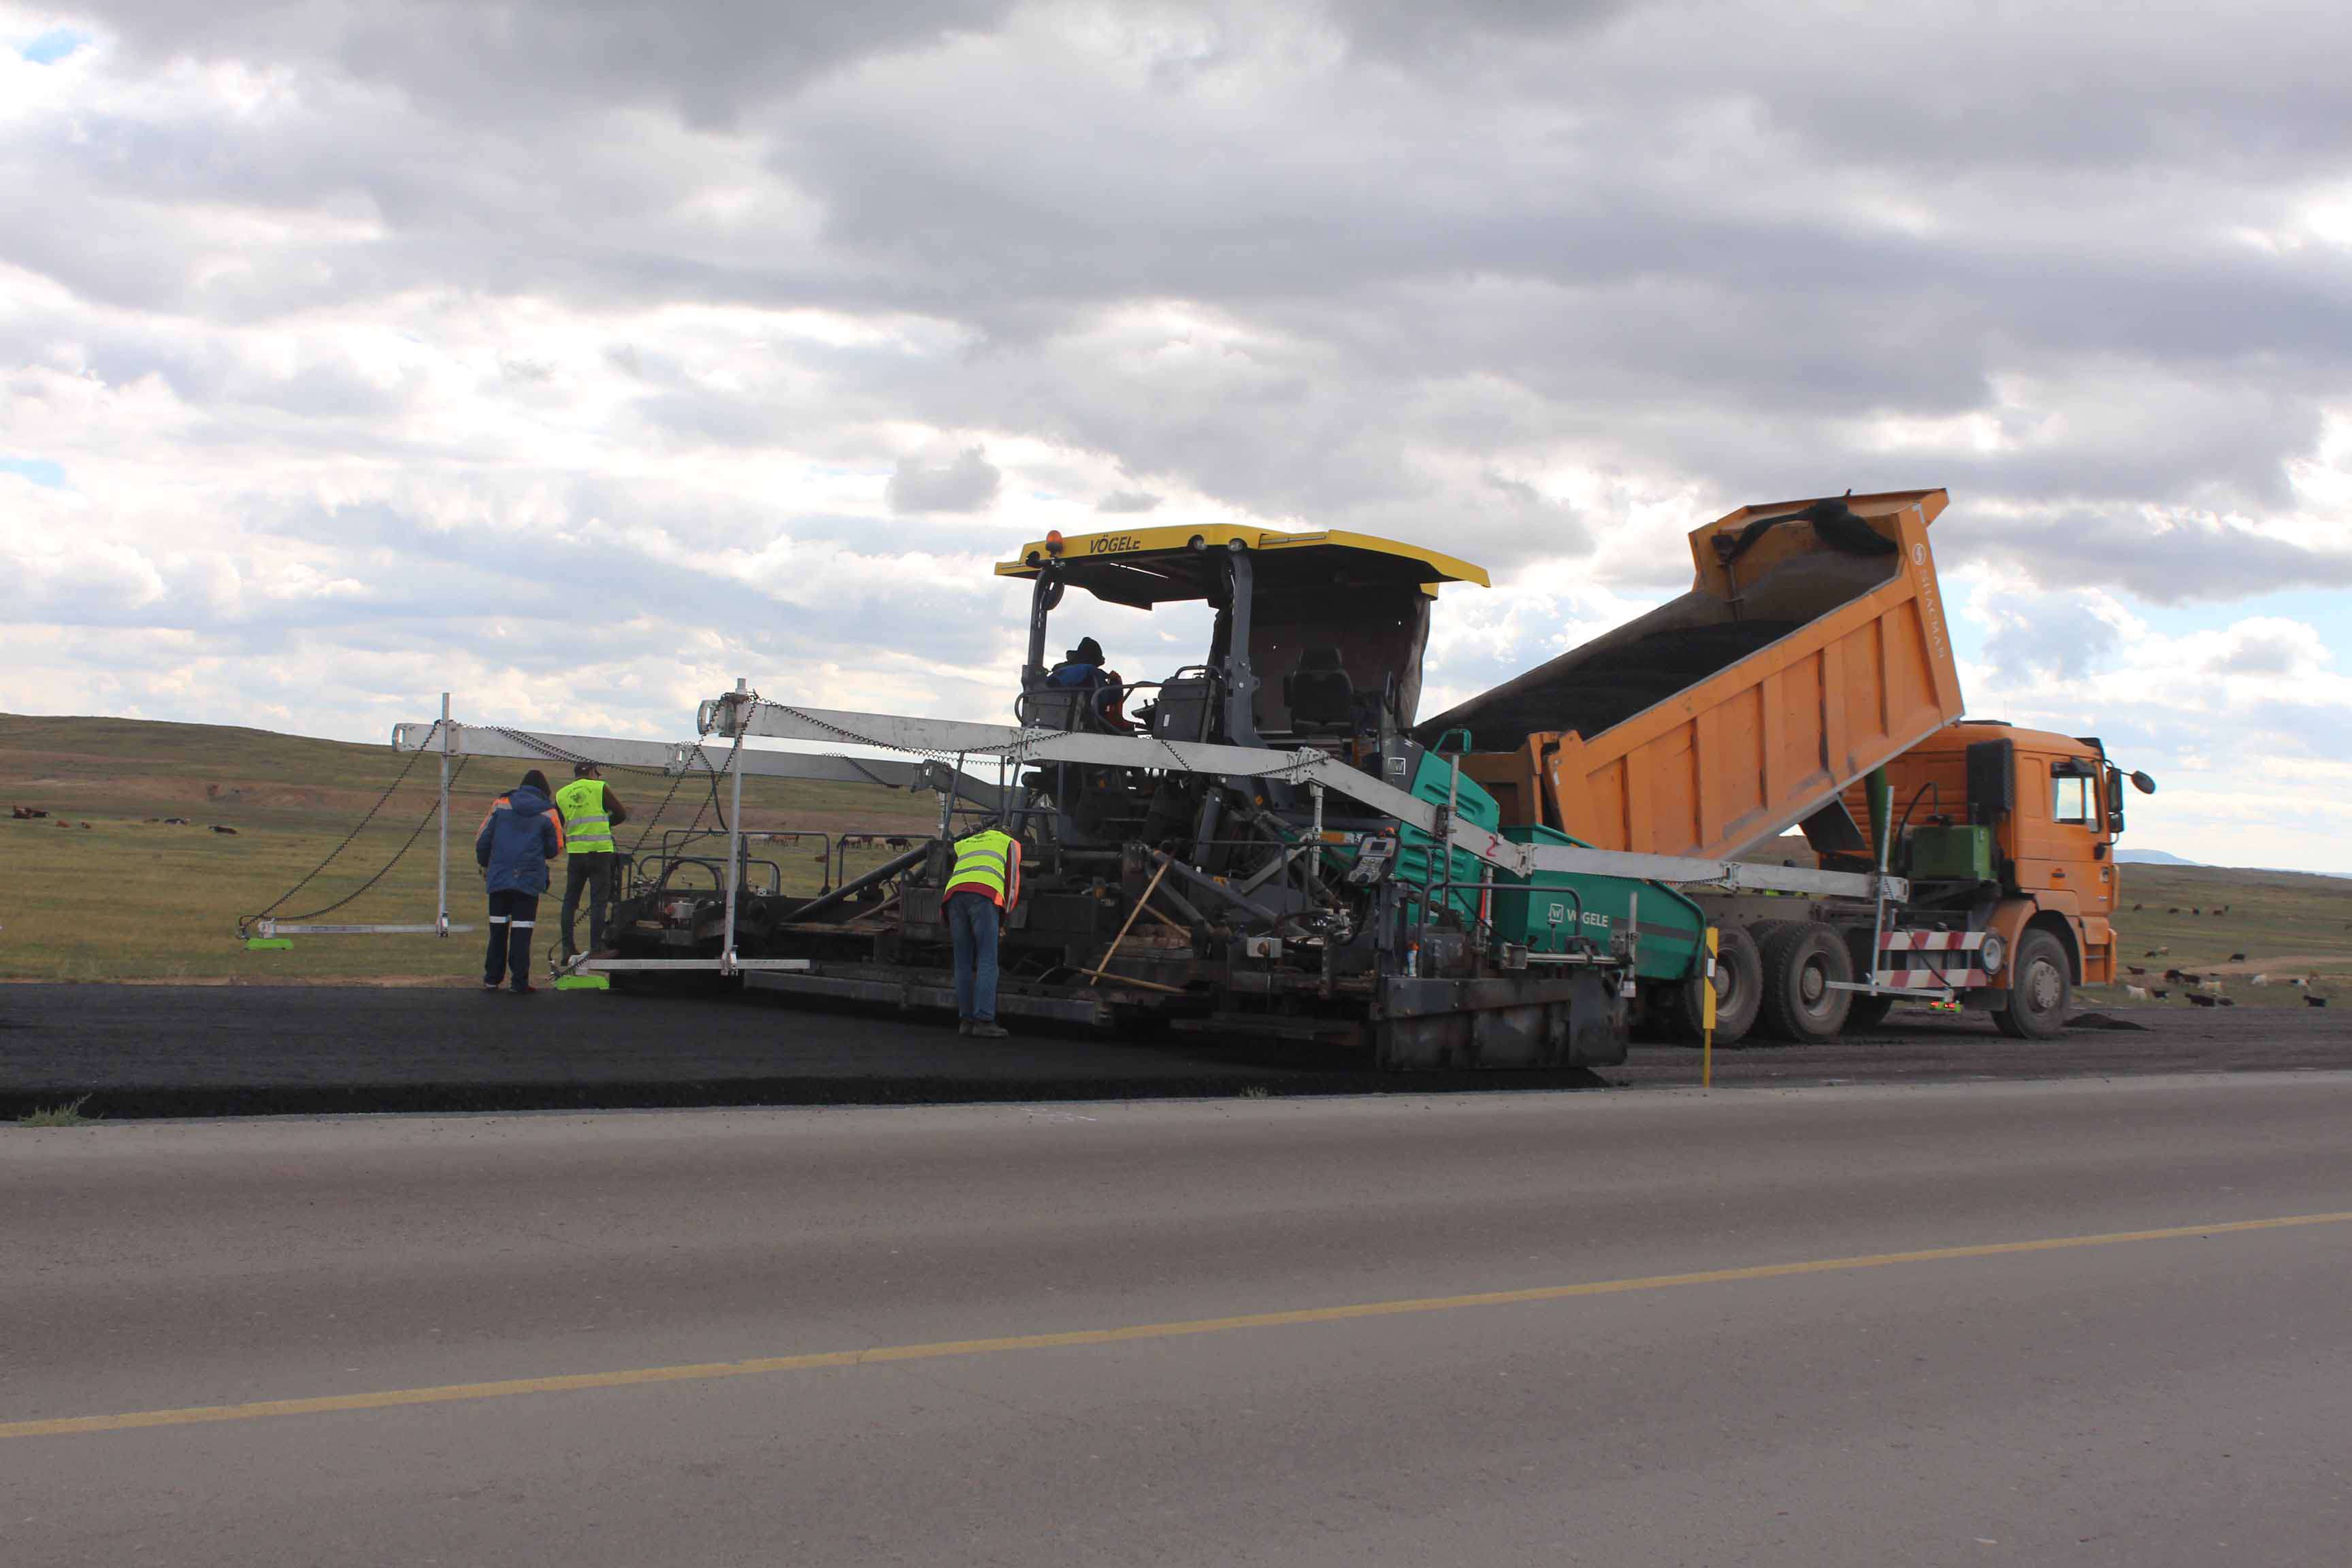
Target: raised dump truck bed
1810	650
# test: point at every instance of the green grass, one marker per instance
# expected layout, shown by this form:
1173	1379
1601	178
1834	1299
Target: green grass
2285	922
66	1115
132	898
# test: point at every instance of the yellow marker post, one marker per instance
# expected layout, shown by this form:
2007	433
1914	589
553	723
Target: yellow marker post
1707	1013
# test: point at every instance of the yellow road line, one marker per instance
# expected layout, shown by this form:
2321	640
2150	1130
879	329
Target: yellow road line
451	1392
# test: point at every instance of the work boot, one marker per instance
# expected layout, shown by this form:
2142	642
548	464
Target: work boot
986	1029
963	1026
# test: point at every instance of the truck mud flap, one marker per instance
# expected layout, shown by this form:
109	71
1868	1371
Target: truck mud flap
1555	1021
1094	1012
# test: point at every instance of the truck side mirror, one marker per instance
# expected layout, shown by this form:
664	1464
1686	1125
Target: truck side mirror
2142	782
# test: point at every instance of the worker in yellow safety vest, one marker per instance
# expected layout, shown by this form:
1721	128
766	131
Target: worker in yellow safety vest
982	889
591	811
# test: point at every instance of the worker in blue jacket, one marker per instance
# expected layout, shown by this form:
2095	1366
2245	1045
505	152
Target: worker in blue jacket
521	833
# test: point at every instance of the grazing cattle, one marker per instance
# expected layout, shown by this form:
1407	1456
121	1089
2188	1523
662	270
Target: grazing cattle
2259	980
2158	992
2137	993
230	831
2173	910
2189	979
2310	1001
2225	1001
2133	969
2172	974
2136	909
2195	910
2237	958
2157	953
2199	999
28	813
2220	912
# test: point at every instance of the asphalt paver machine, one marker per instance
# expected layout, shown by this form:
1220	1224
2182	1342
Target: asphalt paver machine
1255	841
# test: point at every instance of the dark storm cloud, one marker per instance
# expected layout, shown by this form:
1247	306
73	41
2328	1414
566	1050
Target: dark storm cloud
494	61
2166	561
966	482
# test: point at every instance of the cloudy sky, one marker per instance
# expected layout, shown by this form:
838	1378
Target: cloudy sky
581	357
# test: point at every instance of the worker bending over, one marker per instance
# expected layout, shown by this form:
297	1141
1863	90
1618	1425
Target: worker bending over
591	811
983	888
521	833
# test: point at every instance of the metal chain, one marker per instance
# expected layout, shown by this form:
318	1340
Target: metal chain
389	790
407	845
556	753
676	779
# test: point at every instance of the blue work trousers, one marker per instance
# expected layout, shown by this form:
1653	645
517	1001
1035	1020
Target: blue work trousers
512	917
971	923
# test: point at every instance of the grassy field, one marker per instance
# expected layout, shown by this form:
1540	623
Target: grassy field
2285	923
130	897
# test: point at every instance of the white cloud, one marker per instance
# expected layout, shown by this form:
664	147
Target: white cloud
388	350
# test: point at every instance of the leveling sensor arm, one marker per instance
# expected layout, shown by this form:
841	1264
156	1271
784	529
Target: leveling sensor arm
738	713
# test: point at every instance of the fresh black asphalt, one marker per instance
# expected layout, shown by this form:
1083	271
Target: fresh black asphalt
150	1050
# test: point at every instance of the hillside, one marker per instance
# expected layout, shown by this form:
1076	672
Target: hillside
131	897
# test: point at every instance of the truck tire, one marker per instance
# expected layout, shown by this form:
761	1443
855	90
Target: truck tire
1801	961
2040	992
1739	992
1867	1012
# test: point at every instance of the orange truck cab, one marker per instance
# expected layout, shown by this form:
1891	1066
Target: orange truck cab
2011	832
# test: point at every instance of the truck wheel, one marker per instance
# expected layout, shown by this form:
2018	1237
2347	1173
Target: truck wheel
2041	988
1759	936
1801	1004
1867	1012
1738	992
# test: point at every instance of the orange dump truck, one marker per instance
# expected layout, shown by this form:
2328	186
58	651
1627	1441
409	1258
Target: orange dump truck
1807	670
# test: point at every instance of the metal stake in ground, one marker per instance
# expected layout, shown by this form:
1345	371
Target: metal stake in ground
441	875
734	836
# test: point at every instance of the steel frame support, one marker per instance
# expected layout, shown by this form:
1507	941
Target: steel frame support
266	927
1303	765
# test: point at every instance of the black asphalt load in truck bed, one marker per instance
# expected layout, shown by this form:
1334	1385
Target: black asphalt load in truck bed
1606	687
222	1050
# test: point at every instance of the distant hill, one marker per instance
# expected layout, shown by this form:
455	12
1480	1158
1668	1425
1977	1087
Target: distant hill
2153	858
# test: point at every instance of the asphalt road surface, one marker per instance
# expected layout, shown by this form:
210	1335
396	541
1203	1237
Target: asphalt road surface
153	1050
2079	1322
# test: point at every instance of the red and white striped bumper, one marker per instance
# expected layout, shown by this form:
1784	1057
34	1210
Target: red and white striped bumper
1924	967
